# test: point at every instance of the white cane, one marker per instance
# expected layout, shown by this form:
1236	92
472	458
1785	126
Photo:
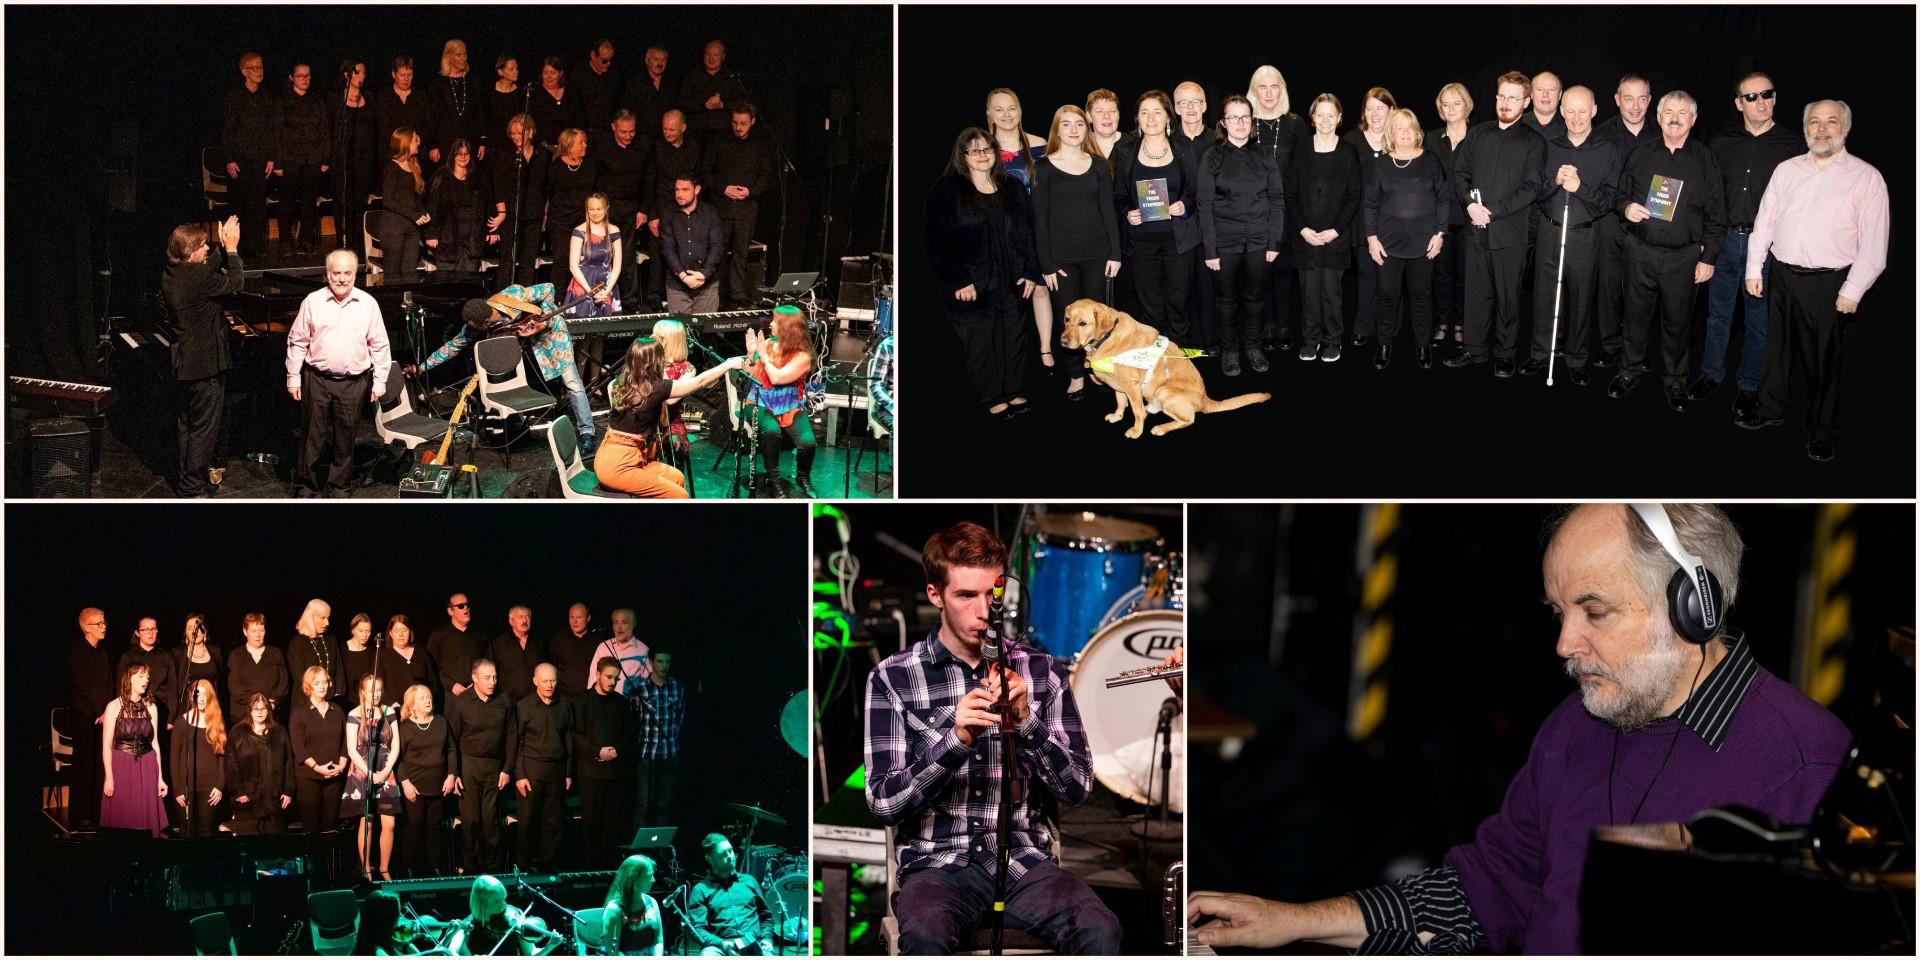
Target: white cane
1559	274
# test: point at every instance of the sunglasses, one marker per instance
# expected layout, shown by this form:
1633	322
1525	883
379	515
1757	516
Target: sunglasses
1756	95
459	606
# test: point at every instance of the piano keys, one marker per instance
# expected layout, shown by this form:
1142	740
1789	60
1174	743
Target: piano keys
60	398
625	325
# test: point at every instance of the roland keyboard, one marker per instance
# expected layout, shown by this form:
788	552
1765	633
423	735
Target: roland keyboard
630	324
59	397
442	884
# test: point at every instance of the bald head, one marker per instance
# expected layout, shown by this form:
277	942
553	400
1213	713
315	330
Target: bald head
1577	108
1546	93
544	679
578	618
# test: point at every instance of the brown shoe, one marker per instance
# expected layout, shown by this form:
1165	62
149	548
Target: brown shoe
216	474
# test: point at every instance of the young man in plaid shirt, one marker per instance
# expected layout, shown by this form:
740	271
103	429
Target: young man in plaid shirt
659	708
933	770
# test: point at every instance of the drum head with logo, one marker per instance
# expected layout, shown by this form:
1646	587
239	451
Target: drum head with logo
1120	721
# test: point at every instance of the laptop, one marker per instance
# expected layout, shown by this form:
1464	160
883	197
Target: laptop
793	284
648	837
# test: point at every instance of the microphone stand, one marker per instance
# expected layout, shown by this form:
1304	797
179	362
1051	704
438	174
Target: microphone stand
1168	710
996	657
519	185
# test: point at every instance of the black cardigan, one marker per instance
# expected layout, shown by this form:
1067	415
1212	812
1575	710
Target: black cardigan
989	250
1328	204
1186	229
259	767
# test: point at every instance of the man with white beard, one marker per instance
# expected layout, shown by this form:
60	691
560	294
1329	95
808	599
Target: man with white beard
1673	716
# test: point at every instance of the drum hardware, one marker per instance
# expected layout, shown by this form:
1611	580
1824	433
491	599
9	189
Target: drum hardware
1083	564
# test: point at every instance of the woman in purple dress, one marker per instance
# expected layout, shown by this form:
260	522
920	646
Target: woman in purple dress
133	790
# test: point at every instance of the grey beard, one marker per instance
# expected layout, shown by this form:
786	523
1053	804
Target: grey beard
1643	686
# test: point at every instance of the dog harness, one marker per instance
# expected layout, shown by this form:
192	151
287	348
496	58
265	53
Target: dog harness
1144	359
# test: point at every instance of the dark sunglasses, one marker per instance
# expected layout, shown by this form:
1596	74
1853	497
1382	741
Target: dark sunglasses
1756	95
458	606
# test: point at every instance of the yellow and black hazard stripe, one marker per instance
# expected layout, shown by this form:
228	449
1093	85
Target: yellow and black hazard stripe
1379	568
1829	604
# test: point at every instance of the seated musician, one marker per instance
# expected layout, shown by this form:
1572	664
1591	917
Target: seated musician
381	932
1655	734
782	360
727	911
632	916
631	461
672	335
933	761
495	929
531	314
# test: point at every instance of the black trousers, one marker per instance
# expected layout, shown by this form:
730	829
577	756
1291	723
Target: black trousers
1493	296
1160	281
1279	318
736	236
1610	282
654	781
1576	291
201	404
529	236
248	192
301	197
420	849
1203	318
399	247
1366	292
199	818
656	267
330	412
1083	279
1659	284
480	813
1804	332
996	348
318	802
539	816
349	207
261	815
1240	294
561	238
1413	280
603	822
1320	306
1449	293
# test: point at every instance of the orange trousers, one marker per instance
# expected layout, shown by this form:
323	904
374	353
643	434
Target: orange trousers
621	465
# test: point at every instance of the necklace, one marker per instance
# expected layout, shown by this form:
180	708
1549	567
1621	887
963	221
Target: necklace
574	167
422	726
1162	155
458	86
1397	164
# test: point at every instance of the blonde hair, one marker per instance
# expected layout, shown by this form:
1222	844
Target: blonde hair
410	700
1402	114
566	140
306	679
672	337
446	55
1466	100
305	626
1253	91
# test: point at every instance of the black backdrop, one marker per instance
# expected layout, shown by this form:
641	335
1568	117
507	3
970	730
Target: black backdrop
724	589
1463	432
159	74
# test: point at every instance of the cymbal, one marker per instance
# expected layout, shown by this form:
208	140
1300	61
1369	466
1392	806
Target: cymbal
757	813
793	723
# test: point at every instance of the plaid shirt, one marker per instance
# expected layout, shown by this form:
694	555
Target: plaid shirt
657	713
942	797
552	346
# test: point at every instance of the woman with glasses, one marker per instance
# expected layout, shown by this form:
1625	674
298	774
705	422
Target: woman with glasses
1242	212
1156	187
1076	231
1323	195
980	244
1455	105
1369	137
1406	215
1276	129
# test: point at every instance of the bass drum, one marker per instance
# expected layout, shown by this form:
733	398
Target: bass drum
1120	721
793	890
1082	564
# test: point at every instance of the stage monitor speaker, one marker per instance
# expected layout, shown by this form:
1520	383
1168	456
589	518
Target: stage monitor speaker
61	458
855	303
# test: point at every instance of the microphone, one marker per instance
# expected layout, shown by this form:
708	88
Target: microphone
1169	709
996	612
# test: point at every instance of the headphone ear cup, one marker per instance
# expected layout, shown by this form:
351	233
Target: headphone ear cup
1683	606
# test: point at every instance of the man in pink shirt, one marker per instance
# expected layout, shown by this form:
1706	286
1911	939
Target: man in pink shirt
1826	219
337	346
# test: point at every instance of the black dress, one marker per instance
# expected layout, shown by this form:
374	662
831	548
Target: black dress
568	187
984	241
460	210
353	155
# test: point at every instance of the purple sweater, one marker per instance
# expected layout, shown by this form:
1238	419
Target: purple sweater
1777	752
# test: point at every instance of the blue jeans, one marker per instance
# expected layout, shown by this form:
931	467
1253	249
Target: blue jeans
1724	292
936	907
582	411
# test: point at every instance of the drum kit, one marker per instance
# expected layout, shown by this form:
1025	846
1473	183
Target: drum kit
1105	593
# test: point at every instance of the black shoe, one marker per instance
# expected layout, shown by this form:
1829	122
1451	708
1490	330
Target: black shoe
1579	376
303	493
1230	362
804	489
1361	339
1754	421
1383	357
1330	352
1256	360
1309	351
1503	368
1019	406
1746	402
1460	358
1283	345
1622	385
1677	398
1080	394
1821	450
1005	414
1702	388
1423	357
1604	359
1049	369
1531	367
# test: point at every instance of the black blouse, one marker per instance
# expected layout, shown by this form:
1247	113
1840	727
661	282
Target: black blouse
426	756
1242	201
259	767
1407	206
195	765
398	195
1323	194
1073	215
1444	149
320	739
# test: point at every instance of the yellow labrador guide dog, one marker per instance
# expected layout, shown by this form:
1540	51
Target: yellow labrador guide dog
1144	368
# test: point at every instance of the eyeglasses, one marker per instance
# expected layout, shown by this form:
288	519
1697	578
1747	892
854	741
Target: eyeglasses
303	76
1183	104
980	152
1502	99
1756	95
1245	119
458	606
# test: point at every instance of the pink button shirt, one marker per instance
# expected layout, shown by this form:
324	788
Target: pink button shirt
1835	217
343	338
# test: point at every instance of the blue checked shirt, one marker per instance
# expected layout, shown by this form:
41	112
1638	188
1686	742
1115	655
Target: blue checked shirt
657	713
942	797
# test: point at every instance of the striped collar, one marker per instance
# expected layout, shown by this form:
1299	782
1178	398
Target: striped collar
1711	708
